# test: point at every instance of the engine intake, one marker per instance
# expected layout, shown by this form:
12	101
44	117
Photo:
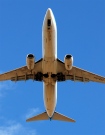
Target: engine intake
68	60
30	60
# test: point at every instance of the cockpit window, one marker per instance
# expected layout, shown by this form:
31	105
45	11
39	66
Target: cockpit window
49	22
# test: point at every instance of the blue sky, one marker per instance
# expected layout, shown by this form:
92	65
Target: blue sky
81	32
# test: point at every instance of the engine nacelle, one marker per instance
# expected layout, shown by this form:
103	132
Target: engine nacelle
30	60
68	60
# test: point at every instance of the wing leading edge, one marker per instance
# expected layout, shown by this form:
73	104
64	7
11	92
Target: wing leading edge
77	74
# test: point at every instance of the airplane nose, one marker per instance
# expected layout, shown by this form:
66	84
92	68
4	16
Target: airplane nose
49	20
49	12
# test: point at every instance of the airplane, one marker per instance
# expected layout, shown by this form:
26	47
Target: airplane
50	70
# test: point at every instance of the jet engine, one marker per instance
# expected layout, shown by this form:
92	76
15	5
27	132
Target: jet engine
68	60
30	60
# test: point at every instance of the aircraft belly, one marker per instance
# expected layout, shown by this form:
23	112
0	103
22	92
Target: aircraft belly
50	97
49	66
49	52
49	44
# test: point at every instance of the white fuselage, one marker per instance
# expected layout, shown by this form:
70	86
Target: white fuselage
49	66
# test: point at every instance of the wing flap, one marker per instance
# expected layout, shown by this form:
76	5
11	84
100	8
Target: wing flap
76	78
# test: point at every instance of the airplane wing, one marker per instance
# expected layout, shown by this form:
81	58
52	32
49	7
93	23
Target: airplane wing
77	74
24	73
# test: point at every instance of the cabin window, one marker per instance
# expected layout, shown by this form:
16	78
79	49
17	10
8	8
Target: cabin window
49	22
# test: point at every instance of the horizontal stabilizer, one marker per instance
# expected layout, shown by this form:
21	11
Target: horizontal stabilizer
42	116
58	116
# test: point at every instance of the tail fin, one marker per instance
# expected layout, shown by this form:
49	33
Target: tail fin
56	116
